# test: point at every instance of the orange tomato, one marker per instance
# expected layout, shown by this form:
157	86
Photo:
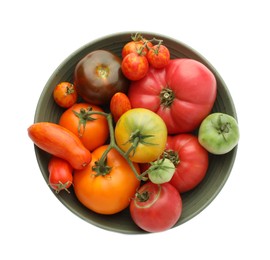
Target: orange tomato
65	94
119	105
92	130
59	141
109	193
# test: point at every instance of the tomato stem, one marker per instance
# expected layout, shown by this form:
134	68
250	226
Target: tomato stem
101	166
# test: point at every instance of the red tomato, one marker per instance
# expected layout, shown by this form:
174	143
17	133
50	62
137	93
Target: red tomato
158	56
119	105
134	66
65	94
182	94
60	174
190	160
109	188
92	130
134	47
156	207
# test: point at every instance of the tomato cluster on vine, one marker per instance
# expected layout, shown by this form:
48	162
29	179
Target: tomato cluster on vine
140	53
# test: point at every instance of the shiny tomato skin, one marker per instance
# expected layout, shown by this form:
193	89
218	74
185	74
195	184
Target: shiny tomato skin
134	47
95	132
98	76
134	66
61	142
60	174
146	124
160	211
65	94
107	194
183	93
192	162
119	105
158	56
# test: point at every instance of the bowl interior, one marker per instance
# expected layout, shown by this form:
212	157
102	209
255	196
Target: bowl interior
193	201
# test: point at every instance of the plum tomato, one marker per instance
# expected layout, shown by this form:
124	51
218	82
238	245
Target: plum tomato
107	187
92	129
142	134
134	66
219	133
190	160
60	174
119	105
98	76
156	207
65	94
182	94
158	56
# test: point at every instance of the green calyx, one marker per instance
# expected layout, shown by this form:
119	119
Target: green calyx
84	116
166	97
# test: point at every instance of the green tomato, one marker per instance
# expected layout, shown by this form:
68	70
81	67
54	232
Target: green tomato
161	171
218	133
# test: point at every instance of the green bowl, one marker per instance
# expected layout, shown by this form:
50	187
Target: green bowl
193	201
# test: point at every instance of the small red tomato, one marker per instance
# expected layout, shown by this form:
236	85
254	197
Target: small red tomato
60	174
65	94
119	105
134	66
158	56
134	47
156	207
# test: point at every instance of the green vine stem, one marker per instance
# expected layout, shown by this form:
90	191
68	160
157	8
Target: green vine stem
113	145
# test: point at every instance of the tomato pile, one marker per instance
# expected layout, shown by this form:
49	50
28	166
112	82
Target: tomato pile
127	135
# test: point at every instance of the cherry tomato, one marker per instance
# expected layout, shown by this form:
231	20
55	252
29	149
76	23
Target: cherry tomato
158	56
60	174
119	105
134	47
65	94
156	207
92	130
134	66
141	132
106	189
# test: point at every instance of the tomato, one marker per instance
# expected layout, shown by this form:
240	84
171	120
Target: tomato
182	93
60	174
98	76
219	133
65	94
161	171
135	66
141	133
134	47
158	56
119	105
92	130
61	142
190	160
106	192
156	207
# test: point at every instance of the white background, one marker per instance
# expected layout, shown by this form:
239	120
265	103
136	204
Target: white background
36	36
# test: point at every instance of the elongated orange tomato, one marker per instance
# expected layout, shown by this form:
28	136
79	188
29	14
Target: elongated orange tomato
60	142
119	105
110	190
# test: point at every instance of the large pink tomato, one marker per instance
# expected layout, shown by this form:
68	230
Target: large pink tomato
190	160
182	94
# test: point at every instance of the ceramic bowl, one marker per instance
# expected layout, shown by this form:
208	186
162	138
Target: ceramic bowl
193	201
